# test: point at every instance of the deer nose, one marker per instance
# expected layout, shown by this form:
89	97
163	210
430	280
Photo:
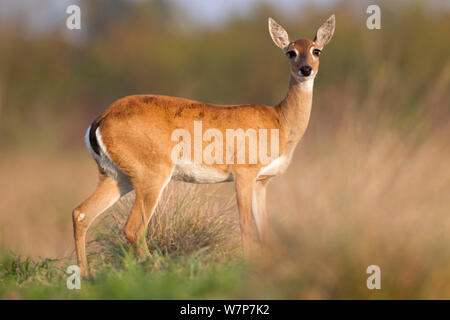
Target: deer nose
305	70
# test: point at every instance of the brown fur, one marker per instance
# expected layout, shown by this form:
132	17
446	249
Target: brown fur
136	132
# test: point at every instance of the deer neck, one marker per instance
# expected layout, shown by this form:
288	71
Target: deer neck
295	110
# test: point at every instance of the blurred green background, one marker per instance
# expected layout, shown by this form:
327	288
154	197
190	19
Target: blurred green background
53	81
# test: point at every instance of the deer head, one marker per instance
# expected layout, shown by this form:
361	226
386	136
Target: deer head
303	54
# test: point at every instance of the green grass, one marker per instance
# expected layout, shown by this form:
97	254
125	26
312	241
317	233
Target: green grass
183	277
195	255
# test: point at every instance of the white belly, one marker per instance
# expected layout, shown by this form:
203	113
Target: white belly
195	173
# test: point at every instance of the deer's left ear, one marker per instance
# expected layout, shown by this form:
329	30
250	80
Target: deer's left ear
325	32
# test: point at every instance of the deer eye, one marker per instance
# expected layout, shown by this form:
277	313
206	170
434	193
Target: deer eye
317	52
291	54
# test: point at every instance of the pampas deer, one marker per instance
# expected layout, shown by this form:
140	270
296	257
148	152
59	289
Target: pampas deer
133	144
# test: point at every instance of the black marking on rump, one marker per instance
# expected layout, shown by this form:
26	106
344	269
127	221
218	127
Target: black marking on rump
93	138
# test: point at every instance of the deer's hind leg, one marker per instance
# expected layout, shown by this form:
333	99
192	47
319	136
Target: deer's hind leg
148	191
108	191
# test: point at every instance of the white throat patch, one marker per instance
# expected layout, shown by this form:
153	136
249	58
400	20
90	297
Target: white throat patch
307	85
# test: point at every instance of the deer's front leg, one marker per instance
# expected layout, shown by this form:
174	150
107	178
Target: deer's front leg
244	191
259	209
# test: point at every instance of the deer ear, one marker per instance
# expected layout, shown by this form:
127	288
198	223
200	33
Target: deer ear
279	35
325	32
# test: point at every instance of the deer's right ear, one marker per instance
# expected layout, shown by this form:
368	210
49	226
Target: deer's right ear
279	35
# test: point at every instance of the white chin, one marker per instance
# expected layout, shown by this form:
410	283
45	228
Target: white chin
300	78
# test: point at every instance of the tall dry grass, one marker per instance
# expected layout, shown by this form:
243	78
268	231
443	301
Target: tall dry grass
38	186
367	192
188	219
